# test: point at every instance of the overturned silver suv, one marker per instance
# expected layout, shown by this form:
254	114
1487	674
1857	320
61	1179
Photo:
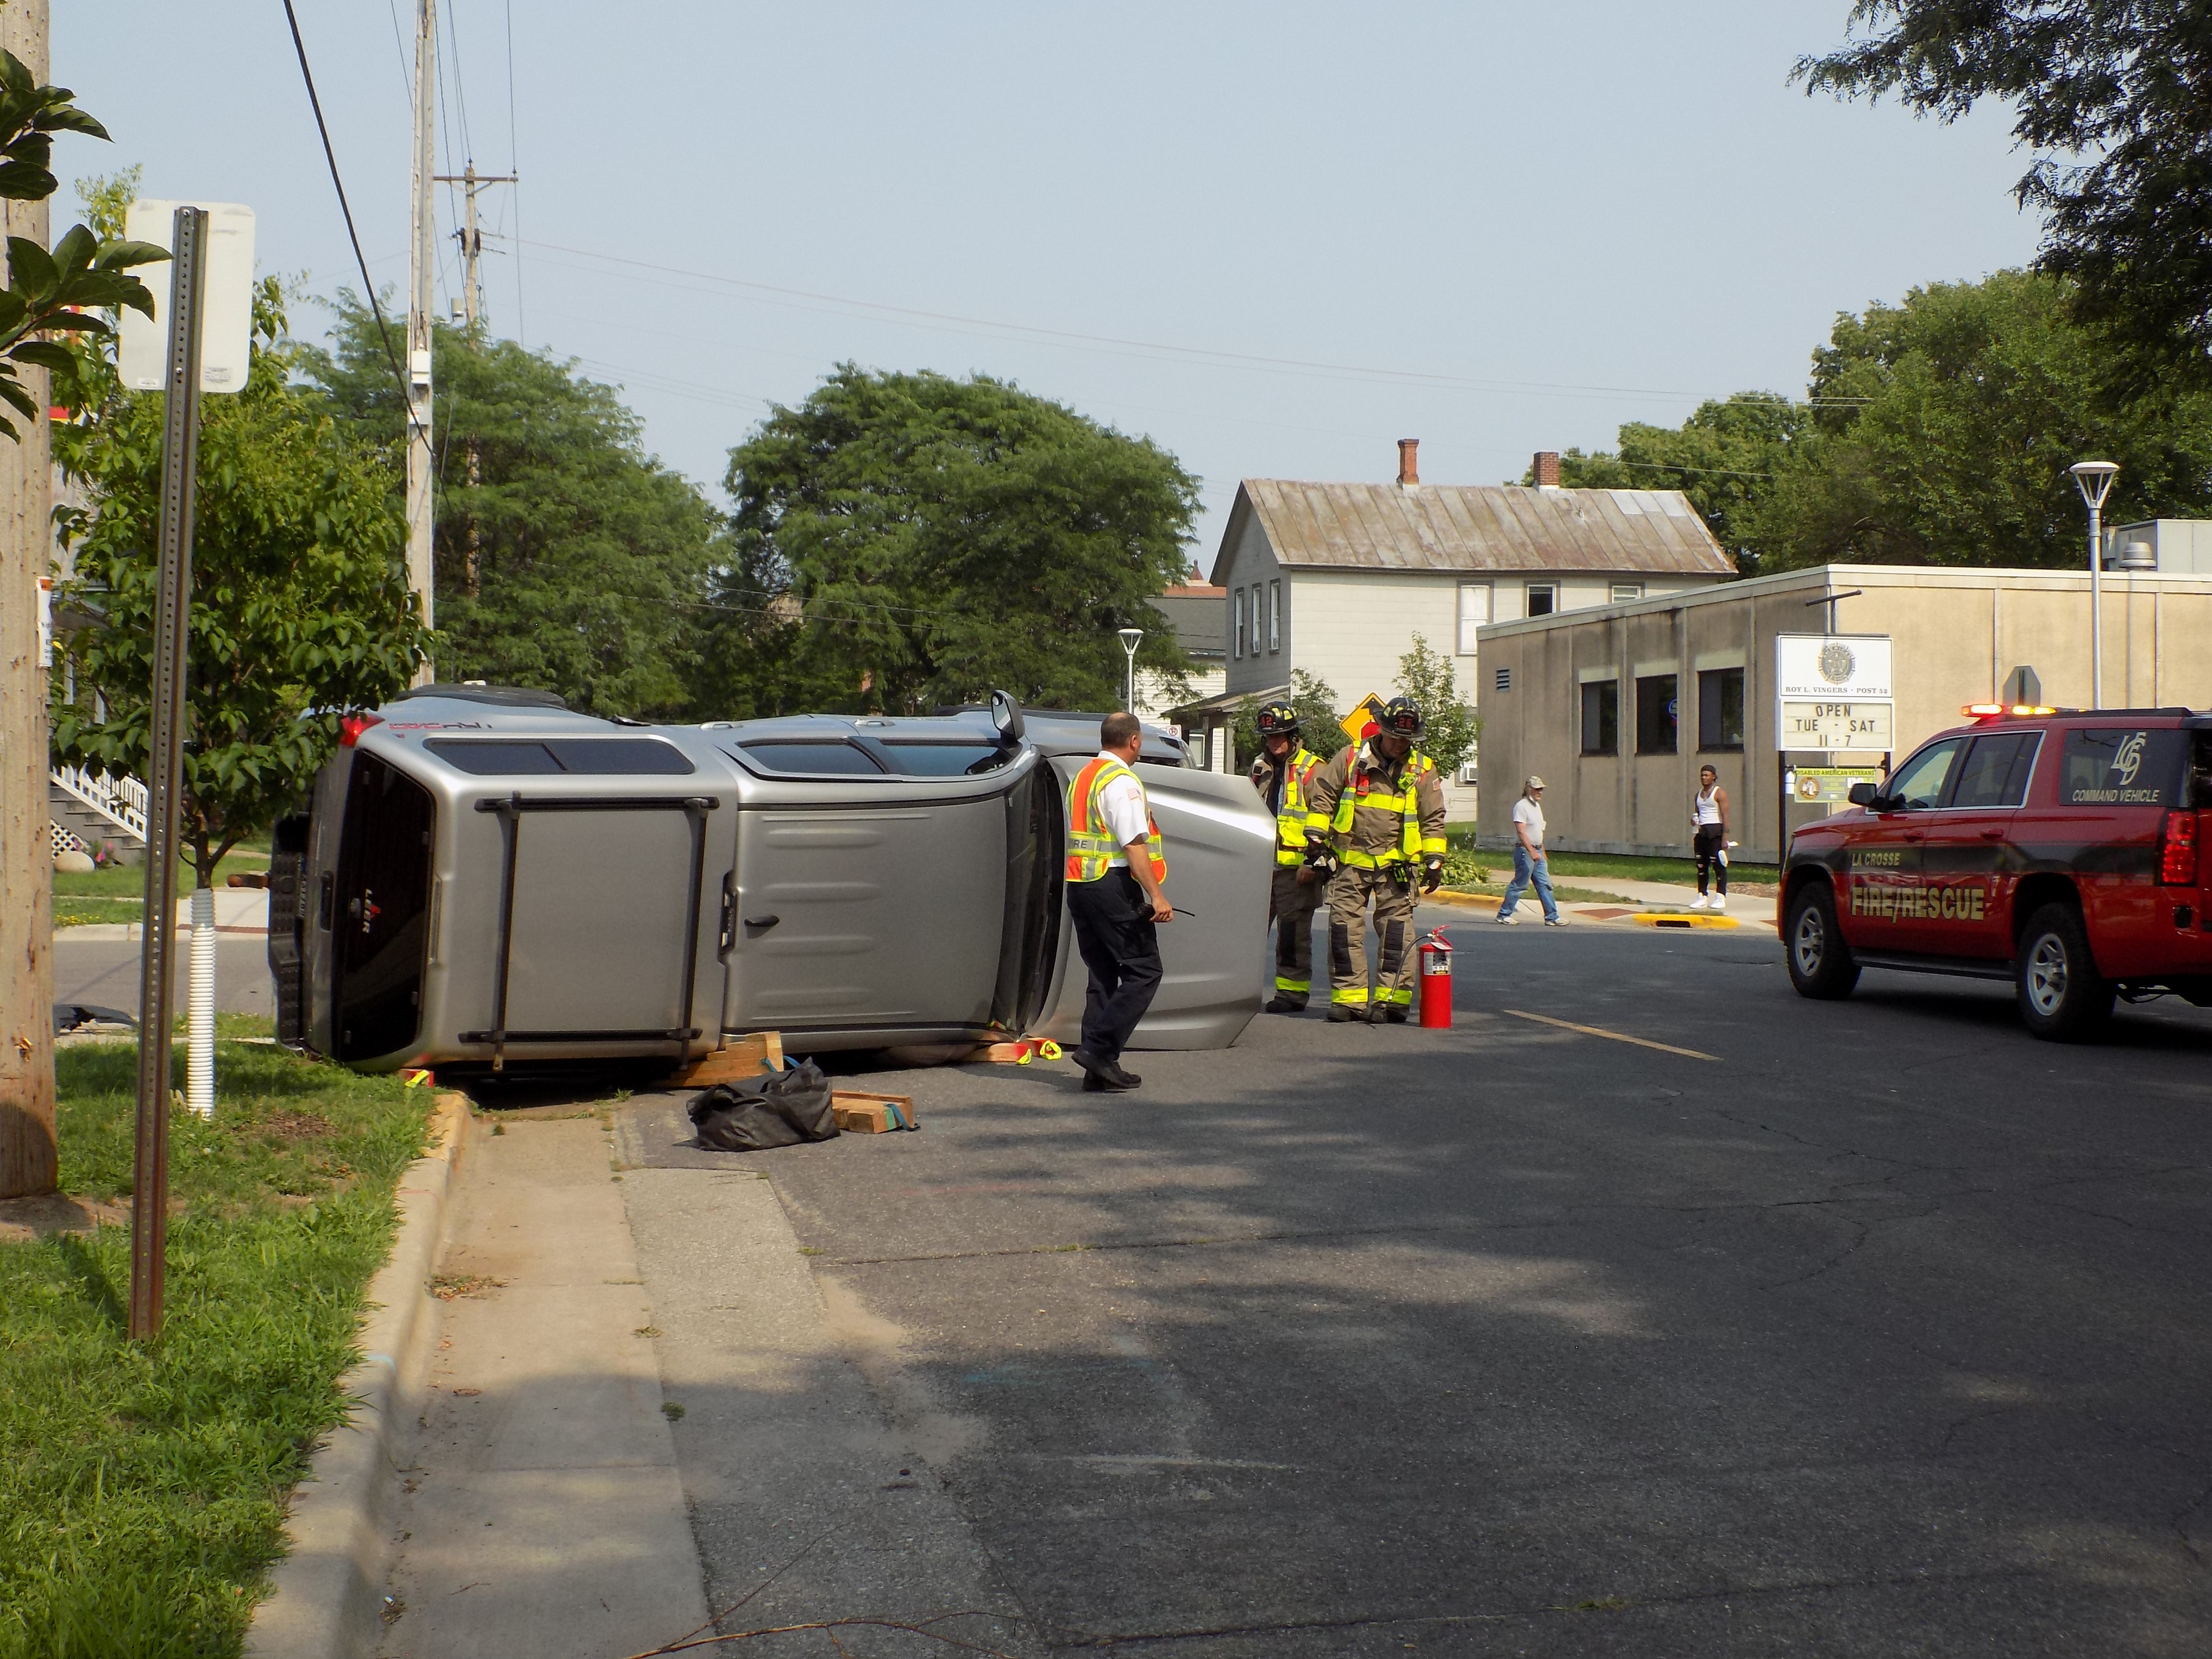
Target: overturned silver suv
486	879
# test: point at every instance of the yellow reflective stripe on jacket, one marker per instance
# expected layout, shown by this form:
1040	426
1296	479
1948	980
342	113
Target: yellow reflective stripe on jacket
1355	795
1292	820
1092	848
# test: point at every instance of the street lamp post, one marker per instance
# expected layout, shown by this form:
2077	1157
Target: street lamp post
1131	638
2094	479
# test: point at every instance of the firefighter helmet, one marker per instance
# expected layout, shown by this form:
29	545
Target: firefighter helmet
1401	718
1278	719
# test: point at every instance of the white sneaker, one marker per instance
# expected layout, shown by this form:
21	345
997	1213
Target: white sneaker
1697	903
1559	921
1720	900
1504	921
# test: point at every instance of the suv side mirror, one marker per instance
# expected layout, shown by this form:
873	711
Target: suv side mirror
1865	794
1006	716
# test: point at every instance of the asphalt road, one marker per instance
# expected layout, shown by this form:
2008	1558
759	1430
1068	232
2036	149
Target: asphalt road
104	972
1882	1329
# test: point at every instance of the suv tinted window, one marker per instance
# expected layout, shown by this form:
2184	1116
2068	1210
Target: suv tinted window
1921	780
946	760
590	756
2122	766
1996	770
835	759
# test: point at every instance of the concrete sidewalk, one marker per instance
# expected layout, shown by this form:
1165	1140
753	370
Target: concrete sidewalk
237	910
544	1516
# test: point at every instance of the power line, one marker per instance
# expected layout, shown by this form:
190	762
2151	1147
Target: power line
384	332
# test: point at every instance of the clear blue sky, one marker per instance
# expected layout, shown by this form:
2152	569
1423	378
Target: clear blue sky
1573	214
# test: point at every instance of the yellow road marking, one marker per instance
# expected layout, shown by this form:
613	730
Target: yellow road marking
1617	1036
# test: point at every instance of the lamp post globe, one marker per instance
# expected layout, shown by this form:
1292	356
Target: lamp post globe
2094	480
1131	638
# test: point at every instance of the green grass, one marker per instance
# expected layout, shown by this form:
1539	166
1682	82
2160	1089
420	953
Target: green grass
128	881
1618	866
142	1489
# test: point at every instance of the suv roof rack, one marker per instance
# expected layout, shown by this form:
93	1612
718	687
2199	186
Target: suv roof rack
505	696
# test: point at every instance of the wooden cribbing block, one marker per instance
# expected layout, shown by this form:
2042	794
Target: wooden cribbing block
735	1061
862	1114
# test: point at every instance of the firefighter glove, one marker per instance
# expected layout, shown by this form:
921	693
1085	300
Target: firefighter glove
1320	857
1434	868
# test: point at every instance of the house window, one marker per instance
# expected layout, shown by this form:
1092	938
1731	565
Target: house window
1237	621
1543	598
1720	710
1601	717
1504	681
1474	613
1624	591
1274	616
1654	714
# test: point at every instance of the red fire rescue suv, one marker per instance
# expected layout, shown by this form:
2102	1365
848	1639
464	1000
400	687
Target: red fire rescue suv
2068	853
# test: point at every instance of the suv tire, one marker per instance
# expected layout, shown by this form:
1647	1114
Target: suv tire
1820	964
2063	997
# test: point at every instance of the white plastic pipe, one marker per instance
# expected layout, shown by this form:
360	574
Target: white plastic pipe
199	1030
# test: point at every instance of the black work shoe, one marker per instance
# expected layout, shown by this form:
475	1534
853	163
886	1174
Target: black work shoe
1089	1062
1094	1084
1342	1013
1397	1015
1284	1005
1116	1078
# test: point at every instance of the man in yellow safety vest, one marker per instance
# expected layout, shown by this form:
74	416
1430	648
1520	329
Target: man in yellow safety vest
1114	869
1279	774
1375	823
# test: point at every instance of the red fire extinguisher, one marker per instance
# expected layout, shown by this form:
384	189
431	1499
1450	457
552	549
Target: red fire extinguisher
1435	979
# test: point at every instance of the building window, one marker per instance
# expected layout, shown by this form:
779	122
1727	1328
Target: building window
1474	613
1601	717
1543	598
1504	681
1274	616
1654	714
1720	710
1237	622
1624	591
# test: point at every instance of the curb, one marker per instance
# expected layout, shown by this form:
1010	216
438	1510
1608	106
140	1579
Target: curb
326	1594
1685	918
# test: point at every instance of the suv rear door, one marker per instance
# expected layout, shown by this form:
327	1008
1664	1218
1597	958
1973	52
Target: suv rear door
1968	864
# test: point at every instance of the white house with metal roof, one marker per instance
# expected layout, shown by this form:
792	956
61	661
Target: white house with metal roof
1336	579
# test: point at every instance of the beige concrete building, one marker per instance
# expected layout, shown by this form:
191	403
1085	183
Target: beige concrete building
1583	700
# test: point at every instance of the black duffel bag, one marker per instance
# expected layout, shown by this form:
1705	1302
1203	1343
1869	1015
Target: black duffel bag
777	1109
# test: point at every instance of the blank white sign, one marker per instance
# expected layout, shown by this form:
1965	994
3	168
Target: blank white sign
226	314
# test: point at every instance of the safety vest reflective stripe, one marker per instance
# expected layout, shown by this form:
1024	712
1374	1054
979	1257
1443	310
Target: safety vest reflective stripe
1412	844
1092	848
1293	820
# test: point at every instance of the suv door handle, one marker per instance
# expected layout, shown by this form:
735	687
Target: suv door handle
763	922
1993	835
1916	835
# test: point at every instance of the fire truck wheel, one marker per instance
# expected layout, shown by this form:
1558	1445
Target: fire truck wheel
1820	964
2063	997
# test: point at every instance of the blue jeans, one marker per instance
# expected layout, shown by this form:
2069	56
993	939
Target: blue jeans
1525	870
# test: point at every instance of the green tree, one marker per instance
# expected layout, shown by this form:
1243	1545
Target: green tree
299	604
567	557
1943	429
2109	96
941	538
1318	717
1723	458
1426	677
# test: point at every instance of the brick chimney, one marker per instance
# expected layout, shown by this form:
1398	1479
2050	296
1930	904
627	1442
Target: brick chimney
1547	469
1409	462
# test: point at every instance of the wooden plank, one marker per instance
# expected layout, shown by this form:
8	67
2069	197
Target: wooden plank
736	1060
861	1113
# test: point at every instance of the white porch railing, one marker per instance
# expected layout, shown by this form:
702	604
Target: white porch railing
121	801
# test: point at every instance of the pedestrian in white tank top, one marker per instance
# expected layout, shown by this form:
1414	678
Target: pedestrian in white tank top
1709	810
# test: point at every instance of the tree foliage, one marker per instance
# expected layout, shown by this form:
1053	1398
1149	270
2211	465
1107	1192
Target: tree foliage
299	604
1938	431
939	538
1426	675
2110	96
567	557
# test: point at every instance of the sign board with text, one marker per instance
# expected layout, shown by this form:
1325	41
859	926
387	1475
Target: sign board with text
1832	691
1829	785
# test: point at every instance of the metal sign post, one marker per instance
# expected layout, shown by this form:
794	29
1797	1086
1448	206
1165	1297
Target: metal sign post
180	444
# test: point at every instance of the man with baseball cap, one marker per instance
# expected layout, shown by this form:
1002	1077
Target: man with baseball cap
1528	857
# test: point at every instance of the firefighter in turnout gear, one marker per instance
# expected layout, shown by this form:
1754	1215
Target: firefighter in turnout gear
1375	825
1280	775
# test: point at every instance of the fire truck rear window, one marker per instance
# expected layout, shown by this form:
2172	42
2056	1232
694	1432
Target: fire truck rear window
2122	766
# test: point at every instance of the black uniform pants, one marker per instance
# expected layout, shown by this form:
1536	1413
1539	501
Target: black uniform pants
1710	846
1120	946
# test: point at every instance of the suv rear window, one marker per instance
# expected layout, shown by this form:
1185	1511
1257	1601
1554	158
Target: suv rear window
2122	766
1996	770
600	757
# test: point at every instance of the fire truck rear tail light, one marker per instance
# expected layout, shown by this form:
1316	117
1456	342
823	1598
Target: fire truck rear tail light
2177	865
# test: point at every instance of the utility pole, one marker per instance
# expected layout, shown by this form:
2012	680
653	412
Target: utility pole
28	1162
471	240
423	269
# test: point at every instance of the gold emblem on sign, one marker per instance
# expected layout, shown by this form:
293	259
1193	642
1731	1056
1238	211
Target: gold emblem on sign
1837	663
